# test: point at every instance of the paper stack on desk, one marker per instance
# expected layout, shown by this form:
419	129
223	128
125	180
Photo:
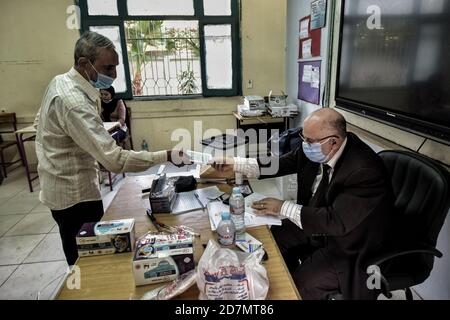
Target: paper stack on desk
215	209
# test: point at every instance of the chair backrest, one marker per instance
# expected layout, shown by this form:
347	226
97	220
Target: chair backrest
8	123
128	123
421	189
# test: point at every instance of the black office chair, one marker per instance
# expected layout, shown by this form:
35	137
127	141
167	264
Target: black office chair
421	189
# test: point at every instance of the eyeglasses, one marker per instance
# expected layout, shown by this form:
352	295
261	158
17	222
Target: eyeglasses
309	141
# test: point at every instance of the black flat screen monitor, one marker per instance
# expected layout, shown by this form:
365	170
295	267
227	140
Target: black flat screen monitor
394	63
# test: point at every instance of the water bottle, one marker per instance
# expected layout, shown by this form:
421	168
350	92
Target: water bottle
226	230
144	145
237	209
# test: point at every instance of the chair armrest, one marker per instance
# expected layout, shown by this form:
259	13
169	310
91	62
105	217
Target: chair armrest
422	248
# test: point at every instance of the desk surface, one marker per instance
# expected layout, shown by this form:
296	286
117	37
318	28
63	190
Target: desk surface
111	277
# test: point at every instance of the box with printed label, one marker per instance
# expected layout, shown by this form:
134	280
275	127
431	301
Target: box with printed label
162	257
106	237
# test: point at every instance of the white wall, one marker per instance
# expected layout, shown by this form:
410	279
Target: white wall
296	10
437	286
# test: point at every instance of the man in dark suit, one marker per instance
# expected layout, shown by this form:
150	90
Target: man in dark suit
342	213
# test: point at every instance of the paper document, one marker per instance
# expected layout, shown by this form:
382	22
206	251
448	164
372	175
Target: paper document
307	45
208	194
215	210
199	157
186	202
304	29
315	77
307	74
251	219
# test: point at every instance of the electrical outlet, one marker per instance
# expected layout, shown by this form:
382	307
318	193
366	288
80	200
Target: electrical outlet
250	84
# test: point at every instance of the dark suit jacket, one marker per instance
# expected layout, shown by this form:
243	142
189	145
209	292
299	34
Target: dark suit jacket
356	217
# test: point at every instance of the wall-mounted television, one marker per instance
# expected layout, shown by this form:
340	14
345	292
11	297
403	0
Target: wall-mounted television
394	64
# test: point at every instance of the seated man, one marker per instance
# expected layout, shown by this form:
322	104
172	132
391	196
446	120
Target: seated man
342	213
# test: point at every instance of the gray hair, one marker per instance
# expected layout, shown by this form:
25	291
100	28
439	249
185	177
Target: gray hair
88	44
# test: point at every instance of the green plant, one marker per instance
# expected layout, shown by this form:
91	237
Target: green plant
187	82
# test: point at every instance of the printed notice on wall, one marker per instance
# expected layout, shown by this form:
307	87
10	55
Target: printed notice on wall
304	29
306	49
318	14
315	77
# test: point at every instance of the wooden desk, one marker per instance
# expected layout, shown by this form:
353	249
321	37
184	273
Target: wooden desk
111	277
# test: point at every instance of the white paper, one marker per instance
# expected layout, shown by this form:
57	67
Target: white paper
251	219
199	157
307	74
307	49
304	29
215	209
315	77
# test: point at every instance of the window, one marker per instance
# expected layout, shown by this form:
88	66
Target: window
170	48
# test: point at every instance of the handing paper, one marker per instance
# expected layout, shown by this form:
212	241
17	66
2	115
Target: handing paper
306	49
304	29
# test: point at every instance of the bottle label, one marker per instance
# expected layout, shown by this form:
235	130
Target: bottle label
226	240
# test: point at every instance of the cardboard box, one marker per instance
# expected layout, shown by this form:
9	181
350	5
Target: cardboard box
162	257
106	237
254	103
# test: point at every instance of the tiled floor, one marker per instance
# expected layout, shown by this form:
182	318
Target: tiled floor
32	262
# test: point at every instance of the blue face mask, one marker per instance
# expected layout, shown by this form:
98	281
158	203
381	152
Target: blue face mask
103	81
314	152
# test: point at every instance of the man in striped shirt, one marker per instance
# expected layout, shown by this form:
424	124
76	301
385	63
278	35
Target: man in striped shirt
71	140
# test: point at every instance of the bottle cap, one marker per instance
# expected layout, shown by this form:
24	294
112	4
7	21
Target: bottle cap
236	190
225	215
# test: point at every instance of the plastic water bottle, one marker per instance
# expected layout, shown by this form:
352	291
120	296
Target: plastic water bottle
226	230
144	145
237	209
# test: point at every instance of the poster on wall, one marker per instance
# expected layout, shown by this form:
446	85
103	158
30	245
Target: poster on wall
318	14
309	46
304	28
309	81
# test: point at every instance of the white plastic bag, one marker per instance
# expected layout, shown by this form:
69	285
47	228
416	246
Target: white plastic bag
225	274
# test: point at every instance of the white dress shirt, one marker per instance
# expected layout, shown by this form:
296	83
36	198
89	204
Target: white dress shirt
71	139
289	209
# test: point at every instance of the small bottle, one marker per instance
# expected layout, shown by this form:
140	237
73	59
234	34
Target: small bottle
237	209
144	145
226	230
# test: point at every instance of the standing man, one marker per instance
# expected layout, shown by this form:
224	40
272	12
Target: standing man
71	139
343	209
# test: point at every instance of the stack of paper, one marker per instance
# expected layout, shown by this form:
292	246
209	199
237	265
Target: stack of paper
215	209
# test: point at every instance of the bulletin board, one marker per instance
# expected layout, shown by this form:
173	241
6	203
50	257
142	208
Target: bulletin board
309	43
309	81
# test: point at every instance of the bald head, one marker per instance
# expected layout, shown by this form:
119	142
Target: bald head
326	121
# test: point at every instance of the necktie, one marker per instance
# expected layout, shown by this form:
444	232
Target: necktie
318	199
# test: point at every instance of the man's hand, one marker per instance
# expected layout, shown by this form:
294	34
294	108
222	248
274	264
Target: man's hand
178	158
268	206
223	165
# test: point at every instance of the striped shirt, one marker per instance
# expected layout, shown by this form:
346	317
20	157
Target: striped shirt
289	209
71	139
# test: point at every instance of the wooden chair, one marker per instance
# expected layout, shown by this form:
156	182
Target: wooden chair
8	125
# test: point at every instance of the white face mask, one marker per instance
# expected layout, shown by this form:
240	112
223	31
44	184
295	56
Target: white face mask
314	152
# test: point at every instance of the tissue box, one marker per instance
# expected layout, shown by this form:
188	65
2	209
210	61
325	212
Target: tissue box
254	103
277	101
106	237
162	257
